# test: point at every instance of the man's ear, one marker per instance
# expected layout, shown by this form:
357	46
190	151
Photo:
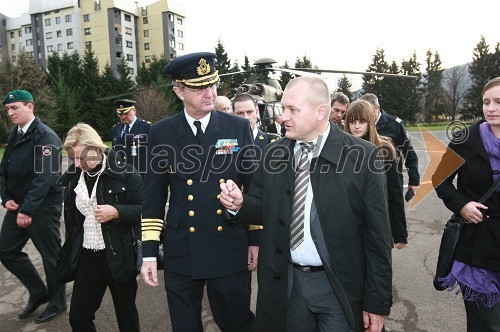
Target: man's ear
322	112
178	92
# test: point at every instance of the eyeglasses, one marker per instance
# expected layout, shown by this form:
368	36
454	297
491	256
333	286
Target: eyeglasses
212	87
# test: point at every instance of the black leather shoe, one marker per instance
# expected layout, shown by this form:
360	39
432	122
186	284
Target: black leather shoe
32	306
49	314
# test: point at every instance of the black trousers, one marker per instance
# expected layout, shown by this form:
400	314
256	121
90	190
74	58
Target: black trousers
228	297
92	278
45	234
482	319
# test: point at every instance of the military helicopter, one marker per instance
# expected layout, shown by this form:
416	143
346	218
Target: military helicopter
267	90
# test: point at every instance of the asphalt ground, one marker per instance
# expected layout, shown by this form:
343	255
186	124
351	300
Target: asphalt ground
417	306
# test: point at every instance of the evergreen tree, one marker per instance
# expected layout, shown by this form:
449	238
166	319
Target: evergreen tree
285	76
223	66
92	113
432	91
410	102
481	72
345	85
371	83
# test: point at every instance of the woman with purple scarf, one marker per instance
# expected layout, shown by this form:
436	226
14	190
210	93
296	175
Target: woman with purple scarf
476	269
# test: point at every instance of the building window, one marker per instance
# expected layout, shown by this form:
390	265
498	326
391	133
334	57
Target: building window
117	14
128	18
180	46
50	48
118	40
47	22
87	31
146	46
12	35
147	59
13	47
19	33
59	47
146	33
59	33
171	17
71	46
58	20
118	55
48	35
130	57
128	31
88	45
27	30
129	44
30	54
69	32
29	42
180	33
172	43
171	30
145	20
67	18
86	17
144	11
97	5
130	71
179	20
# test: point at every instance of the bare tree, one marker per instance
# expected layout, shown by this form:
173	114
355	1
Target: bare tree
152	105
455	84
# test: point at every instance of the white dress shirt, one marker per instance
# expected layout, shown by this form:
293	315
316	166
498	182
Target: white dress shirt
204	122
306	253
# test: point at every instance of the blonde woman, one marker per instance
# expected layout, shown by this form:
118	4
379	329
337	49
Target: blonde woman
102	205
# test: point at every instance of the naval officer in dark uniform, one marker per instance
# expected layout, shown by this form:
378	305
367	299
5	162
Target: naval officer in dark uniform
29	172
191	153
130	135
394	127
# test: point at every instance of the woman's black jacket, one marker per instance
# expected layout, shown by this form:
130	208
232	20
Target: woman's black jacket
120	185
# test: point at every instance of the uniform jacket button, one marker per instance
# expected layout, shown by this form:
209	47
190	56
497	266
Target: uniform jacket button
222	181
189	182
218	196
277	277
220	228
219	211
190	197
279	251
281	222
191	213
192	229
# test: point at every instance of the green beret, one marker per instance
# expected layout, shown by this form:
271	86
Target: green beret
17	95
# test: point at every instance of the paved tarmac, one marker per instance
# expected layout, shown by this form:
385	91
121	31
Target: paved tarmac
417	306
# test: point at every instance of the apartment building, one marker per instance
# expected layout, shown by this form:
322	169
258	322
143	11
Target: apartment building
113	29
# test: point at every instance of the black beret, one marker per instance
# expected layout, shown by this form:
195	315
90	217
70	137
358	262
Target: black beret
196	70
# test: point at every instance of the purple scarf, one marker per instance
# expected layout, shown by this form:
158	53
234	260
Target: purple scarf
491	144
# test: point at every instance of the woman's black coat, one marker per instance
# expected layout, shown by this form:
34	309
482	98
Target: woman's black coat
120	185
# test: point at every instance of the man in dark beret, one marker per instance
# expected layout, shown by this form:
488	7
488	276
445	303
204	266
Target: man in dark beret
191	153
29	172
130	135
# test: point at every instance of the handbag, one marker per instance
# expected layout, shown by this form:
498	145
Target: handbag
138	251
449	241
159	256
66	268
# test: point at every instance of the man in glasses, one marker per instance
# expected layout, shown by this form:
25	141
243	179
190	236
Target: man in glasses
190	154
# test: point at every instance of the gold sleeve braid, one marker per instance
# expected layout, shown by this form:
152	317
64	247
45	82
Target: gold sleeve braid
255	227
151	229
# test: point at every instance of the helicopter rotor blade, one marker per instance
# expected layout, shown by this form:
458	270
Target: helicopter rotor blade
298	72
236	72
313	70
132	92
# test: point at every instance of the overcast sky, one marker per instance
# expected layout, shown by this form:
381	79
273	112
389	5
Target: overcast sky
335	34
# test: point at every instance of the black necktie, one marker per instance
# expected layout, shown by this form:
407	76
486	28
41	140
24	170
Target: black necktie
125	131
199	132
21	132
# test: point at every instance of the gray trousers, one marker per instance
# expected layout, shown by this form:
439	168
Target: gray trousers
313	305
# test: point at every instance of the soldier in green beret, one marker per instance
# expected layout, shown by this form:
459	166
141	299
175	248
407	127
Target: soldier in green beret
29	172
